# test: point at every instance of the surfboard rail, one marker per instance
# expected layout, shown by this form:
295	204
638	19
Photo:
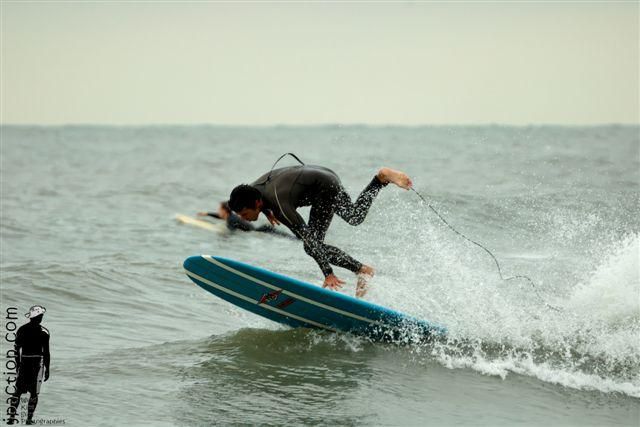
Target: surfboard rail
195	222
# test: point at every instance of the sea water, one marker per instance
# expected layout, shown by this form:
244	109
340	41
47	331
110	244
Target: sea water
87	230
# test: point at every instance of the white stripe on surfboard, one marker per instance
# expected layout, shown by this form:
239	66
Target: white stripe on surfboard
268	307
296	296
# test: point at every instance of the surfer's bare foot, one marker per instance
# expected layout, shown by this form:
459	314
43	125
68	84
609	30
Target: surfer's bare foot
365	274
398	178
365	269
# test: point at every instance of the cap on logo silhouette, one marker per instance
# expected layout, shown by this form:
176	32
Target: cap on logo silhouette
34	311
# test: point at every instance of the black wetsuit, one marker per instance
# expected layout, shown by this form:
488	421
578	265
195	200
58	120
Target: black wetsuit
286	189
32	354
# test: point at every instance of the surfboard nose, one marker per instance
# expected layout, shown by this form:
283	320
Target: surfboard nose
190	263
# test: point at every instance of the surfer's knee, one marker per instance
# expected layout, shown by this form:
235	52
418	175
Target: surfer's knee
310	249
355	220
307	247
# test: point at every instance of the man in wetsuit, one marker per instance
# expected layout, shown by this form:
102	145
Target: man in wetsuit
32	357
233	221
280	192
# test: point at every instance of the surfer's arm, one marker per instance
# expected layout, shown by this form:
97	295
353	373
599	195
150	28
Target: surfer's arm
266	228
46	357
234	222
18	347
211	214
271	217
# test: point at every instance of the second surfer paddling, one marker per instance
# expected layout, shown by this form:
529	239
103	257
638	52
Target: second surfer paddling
278	193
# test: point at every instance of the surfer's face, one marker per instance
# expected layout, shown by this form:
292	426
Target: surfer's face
224	214
251	214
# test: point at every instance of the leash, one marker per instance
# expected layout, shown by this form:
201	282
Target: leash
495	260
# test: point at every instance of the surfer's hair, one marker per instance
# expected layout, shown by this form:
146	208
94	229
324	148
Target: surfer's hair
244	196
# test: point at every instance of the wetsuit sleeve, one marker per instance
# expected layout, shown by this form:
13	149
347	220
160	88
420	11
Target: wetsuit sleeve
18	346
234	222
214	215
45	352
267	228
312	246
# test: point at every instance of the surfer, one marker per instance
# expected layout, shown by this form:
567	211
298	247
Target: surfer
32	357
234	222
279	193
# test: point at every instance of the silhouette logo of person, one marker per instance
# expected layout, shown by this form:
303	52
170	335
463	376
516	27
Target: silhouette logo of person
32	361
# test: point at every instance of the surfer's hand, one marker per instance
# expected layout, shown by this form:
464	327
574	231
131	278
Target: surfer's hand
272	219
46	374
332	282
201	214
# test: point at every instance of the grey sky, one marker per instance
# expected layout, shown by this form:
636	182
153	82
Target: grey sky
292	63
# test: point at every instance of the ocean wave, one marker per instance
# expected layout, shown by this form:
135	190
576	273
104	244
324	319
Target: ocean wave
591	344
496	327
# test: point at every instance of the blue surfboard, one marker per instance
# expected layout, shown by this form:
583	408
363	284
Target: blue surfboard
298	304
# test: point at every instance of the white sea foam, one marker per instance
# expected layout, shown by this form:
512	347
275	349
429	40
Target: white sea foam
613	292
497	327
545	371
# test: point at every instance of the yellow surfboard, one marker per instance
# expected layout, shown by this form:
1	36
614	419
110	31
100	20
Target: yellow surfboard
206	225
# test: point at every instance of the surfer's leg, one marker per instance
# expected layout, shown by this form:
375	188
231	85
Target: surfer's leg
342	259
319	220
14	402
355	213
34	390
31	407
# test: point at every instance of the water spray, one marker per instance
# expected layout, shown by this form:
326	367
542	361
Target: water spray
506	279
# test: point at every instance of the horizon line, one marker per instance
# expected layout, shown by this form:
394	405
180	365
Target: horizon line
334	124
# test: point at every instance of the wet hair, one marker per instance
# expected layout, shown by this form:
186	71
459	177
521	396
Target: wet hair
244	196
225	206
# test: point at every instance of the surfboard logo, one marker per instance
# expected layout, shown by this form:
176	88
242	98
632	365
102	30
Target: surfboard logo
286	303
270	296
